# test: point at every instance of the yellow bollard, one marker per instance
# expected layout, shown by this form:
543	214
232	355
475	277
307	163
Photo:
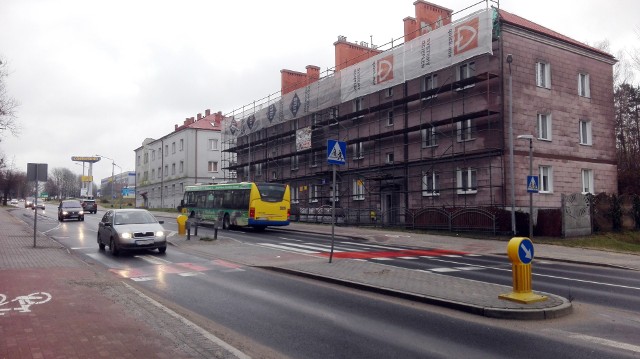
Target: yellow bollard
182	224
520	251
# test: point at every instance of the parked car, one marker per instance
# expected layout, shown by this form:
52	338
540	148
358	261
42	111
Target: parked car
14	201
70	209
127	229
89	206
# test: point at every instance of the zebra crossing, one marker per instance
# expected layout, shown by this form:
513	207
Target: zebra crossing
379	253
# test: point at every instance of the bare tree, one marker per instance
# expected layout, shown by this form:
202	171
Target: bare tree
8	105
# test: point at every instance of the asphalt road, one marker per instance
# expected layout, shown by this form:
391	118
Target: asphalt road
275	315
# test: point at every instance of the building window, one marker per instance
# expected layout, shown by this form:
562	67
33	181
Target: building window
153	173
181	187
173	147
543	74
159	172
587	181
544	127
314	159
388	92
181	166
430	184
358	190
358	150
585	132
583	85
181	145
294	162
166	150
213	144
295	192
333	116
464	130
274	174
467	181
173	169
546	179
173	189
337	193
212	166
166	171
390	158
430	82
314	119
429	137
258	168
390	118
357	106
153	155
313	193
466	70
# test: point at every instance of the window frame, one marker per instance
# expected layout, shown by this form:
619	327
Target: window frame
430	184
584	132
358	189
584	86
358	150
429	137
466	130
546	118
589	187
545	175
313	193
471	180
543	74
212	166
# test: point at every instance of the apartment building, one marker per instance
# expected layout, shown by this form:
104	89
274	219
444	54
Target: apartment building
428	123
190	154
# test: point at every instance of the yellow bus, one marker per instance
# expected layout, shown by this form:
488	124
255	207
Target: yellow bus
251	204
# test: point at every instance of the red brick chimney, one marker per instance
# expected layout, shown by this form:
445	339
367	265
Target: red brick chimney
292	80
428	17
348	53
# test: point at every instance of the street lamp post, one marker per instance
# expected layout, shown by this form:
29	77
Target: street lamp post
530	138
511	175
113	165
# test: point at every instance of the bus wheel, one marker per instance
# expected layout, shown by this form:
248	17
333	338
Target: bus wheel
226	222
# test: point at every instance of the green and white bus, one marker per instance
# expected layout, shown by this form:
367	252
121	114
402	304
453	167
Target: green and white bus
256	205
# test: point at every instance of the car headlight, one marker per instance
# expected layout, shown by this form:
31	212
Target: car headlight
65	213
81	212
125	235
159	234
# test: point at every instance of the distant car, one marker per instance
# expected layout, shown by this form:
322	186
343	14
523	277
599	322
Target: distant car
14	201
40	204
127	229
28	203
89	206
70	209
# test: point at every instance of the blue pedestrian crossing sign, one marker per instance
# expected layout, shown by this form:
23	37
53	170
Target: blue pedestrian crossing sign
532	184
336	152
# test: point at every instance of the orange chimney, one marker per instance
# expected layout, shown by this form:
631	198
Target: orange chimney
348	53
428	17
292	80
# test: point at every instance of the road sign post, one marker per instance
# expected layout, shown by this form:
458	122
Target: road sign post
336	156
520	251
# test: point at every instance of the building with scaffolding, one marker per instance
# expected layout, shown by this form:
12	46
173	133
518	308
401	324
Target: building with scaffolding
432	138
190	154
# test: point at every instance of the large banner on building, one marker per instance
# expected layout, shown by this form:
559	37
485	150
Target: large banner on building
433	51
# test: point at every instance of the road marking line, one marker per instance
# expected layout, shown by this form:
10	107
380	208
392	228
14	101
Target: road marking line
596	340
298	250
375	245
444	270
153	260
309	247
190	274
468	268
383	259
451	255
142	279
407	257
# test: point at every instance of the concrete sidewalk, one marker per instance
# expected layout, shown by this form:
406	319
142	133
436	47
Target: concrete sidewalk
54	305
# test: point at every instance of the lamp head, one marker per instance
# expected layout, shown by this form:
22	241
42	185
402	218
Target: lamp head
525	137
509	58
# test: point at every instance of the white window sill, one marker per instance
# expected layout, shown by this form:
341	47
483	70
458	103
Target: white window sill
430	194
467	192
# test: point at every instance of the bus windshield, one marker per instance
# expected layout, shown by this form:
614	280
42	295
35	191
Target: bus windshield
271	192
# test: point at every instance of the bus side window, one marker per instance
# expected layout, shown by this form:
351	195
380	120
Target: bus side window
210	200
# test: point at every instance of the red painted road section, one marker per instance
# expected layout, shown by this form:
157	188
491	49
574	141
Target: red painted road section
394	254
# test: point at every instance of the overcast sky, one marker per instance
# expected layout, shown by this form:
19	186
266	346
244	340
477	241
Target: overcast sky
98	77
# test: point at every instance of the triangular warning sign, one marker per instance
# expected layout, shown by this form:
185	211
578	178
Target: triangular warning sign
336	153
533	185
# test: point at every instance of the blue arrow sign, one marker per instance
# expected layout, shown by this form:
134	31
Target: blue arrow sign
525	251
336	152
532	184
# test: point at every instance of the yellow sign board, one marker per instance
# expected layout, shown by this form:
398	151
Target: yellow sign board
85	158
87	178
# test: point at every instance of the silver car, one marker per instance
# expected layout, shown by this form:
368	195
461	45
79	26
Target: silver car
127	229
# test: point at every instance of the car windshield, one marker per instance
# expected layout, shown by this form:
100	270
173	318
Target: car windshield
133	217
70	204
